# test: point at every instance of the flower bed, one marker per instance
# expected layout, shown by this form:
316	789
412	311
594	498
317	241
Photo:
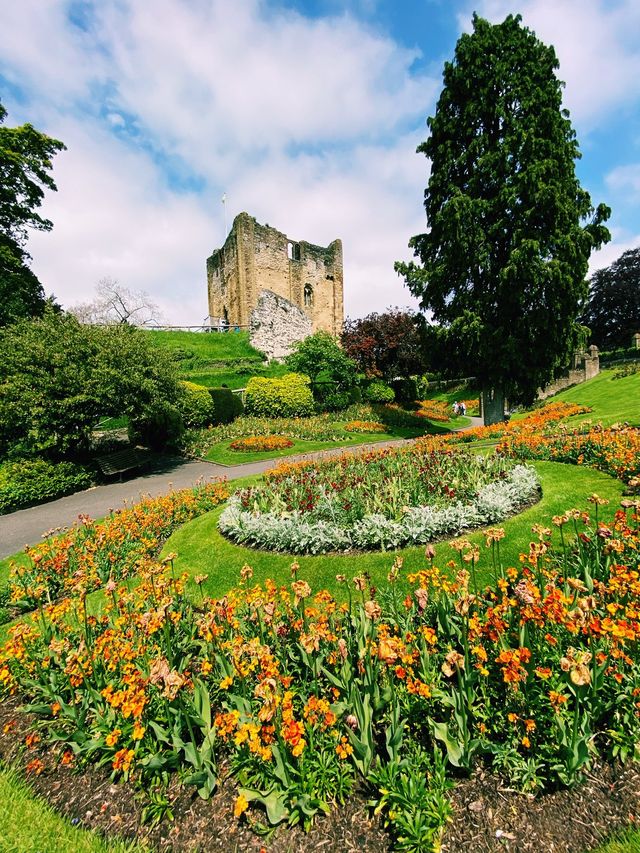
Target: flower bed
260	443
435	410
615	451
300	697
325	427
365	426
537	421
380	500
86	557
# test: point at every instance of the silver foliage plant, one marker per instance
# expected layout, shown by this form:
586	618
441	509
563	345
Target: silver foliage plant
292	533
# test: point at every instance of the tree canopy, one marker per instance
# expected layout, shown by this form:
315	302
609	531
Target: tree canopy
320	358
25	165
387	345
613	310
115	303
510	230
58	378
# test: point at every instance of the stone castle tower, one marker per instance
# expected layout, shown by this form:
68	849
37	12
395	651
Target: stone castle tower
256	258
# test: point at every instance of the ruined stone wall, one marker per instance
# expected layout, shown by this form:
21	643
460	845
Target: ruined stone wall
276	324
585	366
257	258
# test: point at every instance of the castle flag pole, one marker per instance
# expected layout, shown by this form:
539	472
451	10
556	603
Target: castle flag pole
224	205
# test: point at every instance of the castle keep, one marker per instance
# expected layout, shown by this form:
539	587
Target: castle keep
256	259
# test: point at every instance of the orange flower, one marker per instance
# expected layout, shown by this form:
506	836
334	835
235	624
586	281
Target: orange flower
122	760
113	737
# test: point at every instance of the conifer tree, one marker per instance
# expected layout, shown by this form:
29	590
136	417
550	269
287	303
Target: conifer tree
503	264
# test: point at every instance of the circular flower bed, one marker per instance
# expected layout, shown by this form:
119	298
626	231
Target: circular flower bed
365	426
260	443
380	500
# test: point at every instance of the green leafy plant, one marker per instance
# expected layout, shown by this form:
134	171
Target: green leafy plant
287	397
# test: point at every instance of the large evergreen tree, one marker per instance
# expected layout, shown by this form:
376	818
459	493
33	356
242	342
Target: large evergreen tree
510	230
25	164
613	311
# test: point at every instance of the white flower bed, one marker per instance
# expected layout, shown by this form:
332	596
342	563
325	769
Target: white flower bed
420	524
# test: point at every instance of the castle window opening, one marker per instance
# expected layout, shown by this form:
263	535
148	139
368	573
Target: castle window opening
293	251
308	296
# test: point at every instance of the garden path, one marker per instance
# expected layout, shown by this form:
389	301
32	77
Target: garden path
27	526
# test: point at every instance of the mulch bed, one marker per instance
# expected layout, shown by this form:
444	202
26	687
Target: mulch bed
487	815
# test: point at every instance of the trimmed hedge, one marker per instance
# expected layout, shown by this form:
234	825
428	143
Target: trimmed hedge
196	406
289	397
379	392
227	406
31	481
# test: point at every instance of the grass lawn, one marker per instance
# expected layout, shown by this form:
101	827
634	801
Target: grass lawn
216	377
223	455
458	392
202	549
29	825
208	346
612	400
627	842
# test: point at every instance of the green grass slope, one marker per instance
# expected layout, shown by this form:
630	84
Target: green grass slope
207	346
612	400
214	359
29	825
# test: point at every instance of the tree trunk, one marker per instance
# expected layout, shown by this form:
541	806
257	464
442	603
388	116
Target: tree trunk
492	405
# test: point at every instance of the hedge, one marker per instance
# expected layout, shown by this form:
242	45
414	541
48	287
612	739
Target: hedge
379	392
31	481
196	406
288	397
227	406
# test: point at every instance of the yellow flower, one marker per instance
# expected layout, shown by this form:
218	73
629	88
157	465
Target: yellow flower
241	805
226	682
138	731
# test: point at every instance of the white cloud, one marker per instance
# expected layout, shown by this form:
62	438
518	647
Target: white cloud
113	217
304	123
597	45
625	180
620	244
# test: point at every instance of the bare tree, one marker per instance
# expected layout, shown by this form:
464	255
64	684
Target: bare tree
115	304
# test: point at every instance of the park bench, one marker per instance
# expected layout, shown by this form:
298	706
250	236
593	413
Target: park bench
123	460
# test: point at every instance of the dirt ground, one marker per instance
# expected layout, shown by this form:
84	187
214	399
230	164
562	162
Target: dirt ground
487	815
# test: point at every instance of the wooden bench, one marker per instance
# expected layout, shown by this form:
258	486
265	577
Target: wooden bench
122	460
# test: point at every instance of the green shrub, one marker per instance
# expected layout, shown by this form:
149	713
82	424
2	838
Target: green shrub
157	427
379	392
355	395
31	481
289	397
227	406
405	389
621	354
336	401
196	406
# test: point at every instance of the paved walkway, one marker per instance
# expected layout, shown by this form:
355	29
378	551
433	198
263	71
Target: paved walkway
28	526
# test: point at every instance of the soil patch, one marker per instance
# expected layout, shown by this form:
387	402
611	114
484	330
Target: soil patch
488	816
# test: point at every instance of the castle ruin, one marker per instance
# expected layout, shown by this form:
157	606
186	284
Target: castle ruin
257	259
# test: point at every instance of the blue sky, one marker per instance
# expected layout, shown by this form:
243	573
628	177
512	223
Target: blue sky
306	113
